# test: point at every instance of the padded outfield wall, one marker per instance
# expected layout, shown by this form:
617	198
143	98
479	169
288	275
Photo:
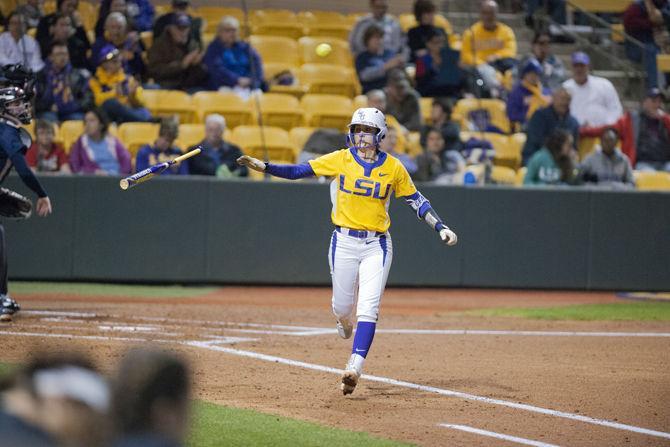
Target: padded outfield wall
200	230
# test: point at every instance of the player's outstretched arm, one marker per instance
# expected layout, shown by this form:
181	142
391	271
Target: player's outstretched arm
424	211
291	172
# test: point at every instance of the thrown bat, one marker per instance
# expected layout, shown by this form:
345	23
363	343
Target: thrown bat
154	170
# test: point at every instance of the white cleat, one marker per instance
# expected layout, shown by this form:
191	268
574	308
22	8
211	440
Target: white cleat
345	328
349	381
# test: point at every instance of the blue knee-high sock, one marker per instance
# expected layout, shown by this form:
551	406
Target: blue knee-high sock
365	332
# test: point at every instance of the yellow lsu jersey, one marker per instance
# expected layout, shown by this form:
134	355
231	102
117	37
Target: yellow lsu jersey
360	191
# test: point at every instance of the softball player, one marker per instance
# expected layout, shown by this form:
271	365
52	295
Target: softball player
361	250
16	89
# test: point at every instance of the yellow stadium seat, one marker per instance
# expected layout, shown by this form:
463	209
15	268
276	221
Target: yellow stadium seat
70	131
276	49
339	51
7	6
503	175
426	106
169	102
49	7
329	79
190	135
325	23
516	143
135	135
333	111
652	181
212	15
163	9
520	175
408	21
360	101
252	140
586	145
300	135
414	144
280	110
236	110
88	13
604	6
276	22
147	38
495	107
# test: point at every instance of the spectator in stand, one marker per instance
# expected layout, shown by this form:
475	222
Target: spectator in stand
647	21
55	399
152	399
595	101
645	134
62	90
546	120
119	94
62	32
44	155
373	64
553	70
96	151
218	157
489	45
33	11
179	7
106	8
436	163
174	61
417	37
128	43
139	13
607	166
16	47
402	101
438	72
163	150
440	114
68	8
231	62
552	165
377	99
394	40
527	95
388	145
555	8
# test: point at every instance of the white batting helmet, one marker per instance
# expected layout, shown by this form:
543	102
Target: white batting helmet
369	116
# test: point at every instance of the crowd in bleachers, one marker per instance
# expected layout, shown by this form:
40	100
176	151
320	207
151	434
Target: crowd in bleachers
62	399
127	83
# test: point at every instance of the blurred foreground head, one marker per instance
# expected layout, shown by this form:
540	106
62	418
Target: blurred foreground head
151	398
59	396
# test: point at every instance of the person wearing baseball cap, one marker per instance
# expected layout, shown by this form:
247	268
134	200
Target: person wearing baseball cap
528	94
179	7
402	101
644	133
595	101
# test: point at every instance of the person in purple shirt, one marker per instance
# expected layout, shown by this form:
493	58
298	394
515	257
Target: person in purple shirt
528	94
163	150
373	64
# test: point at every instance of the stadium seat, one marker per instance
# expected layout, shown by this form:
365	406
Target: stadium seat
512	156
360	101
190	135
70	131
652	181
169	102
586	145
299	136
326	24
251	140
426	106
276	22
329	79
212	15
147	38
503	175
339	53
7	6
207	38
408	21
520	175
276	49
135	135
495	107
280	110
236	110
333	111
88	13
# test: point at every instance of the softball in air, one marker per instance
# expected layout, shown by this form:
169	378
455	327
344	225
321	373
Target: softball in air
323	49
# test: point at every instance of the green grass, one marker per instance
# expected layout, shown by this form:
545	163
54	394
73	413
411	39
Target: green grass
17	288
215	425
647	311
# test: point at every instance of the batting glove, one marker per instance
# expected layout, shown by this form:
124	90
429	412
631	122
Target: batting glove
251	163
448	236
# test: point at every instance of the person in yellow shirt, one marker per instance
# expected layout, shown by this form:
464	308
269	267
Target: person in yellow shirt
489	45
117	93
361	251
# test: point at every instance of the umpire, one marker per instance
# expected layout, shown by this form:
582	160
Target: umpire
16	93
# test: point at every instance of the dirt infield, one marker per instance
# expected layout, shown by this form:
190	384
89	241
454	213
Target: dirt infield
276	350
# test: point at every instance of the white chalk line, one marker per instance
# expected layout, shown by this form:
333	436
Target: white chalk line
430	389
493	434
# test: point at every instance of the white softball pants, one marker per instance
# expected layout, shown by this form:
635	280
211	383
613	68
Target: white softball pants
359	268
